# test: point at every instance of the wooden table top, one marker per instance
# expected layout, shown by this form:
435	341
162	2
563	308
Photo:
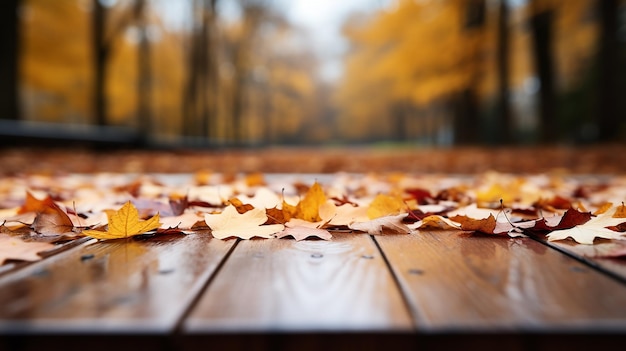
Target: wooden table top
430	288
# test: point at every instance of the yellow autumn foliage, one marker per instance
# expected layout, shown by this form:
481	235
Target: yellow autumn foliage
125	223
385	205
308	208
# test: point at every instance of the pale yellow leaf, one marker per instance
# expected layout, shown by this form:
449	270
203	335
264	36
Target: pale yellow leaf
231	223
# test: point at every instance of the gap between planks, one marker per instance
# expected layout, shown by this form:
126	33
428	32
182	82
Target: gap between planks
178	326
500	284
590	262
412	309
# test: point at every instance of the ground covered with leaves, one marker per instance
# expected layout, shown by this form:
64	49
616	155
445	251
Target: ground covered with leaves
40	211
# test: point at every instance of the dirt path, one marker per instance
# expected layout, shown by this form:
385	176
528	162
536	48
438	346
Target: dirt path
607	159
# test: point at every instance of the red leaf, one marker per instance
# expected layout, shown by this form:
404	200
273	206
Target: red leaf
570	219
179	206
414	216
422	196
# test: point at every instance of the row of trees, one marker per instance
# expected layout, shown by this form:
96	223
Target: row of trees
466	71
228	81
437	72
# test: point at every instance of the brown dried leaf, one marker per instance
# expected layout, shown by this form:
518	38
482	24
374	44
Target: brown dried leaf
52	220
485	225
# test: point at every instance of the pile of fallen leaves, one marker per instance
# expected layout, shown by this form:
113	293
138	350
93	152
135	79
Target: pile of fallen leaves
37	212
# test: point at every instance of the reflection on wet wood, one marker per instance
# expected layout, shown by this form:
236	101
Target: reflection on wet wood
14	266
131	285
588	253
488	283
272	285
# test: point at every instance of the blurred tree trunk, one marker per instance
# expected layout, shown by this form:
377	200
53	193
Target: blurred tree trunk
466	120
237	108
609	72
200	102
242	52
541	25
190	91
144	71
210	117
102	44
504	103
101	53
9	59
398	113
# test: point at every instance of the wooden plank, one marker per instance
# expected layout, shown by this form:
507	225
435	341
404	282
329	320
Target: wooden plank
478	283
128	286
284	285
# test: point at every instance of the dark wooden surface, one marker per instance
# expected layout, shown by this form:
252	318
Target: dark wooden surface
465	282
424	290
130	286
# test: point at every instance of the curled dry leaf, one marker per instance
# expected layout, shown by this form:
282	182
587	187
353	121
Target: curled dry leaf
485	225
300	233
52	220
382	225
435	222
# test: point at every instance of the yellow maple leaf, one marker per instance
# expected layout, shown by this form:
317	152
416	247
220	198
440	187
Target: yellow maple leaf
125	223
385	205
309	207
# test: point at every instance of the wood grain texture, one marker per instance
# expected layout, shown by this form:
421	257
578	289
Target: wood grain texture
479	283
284	285
130	286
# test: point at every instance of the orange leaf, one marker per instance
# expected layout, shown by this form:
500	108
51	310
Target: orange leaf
33	204
485	225
240	206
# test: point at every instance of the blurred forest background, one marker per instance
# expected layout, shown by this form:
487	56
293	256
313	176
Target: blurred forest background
245	73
